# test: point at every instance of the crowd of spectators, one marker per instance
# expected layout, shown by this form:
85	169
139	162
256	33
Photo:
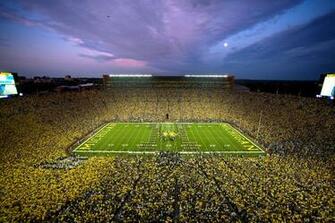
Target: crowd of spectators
294	183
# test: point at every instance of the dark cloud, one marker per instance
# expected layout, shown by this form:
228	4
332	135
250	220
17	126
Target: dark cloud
99	58
302	52
162	32
174	36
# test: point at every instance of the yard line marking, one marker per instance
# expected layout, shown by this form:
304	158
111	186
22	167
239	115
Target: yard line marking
94	134
207	138
239	132
222	138
192	129
138	132
124	132
195	138
200	138
150	135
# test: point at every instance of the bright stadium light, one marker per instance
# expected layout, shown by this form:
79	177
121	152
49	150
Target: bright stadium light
328	86
130	75
7	85
194	75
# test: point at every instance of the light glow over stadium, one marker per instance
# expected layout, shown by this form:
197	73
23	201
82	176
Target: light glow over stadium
130	75
209	76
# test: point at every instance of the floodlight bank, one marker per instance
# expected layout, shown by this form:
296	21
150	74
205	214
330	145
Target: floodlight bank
130	75
211	76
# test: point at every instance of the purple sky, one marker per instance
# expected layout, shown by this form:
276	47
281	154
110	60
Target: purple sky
253	39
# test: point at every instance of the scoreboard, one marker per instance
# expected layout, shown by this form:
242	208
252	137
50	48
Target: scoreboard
7	85
328	87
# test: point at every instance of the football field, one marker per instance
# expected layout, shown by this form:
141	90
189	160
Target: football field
151	138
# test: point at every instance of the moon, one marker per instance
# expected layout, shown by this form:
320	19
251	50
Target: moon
225	44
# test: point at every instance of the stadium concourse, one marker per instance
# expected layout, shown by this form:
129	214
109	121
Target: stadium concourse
295	182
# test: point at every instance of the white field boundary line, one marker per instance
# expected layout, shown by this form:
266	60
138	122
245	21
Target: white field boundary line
94	134
187	123
185	152
156	152
241	134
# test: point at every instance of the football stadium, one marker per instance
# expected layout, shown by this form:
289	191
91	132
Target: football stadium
172	149
167	111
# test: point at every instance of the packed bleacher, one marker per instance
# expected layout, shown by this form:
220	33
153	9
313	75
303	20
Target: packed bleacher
295	182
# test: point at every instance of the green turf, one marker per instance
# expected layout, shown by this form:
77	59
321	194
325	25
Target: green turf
150	138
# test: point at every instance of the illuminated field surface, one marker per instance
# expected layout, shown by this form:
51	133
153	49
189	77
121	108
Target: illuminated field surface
151	138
